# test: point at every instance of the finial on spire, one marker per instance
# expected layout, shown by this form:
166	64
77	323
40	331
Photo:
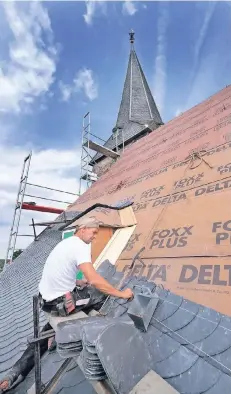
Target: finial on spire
132	36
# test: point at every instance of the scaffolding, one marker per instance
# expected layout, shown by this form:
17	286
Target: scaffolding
17	210
86	173
20	204
89	147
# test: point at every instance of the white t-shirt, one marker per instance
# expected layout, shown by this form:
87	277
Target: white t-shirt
59	273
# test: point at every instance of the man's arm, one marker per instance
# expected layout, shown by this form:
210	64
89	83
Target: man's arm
96	280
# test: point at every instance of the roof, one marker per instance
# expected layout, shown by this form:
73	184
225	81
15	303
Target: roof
138	111
2	261
187	344
180	200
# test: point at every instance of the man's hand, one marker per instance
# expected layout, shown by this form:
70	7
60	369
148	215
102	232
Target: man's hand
127	294
97	281
81	282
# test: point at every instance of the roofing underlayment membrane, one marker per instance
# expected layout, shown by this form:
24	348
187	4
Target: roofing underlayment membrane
179	178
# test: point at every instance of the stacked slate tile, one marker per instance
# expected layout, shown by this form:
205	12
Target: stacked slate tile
70	349
89	361
78	338
69	338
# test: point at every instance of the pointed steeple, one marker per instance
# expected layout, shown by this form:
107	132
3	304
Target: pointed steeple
138	114
137	104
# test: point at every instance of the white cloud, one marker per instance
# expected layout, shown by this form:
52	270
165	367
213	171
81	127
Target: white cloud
54	168
202	35
160	60
92	7
66	91
179	111
84	81
129	7
196	88
29	70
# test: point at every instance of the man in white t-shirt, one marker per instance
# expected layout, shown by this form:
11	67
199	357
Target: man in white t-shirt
59	278
69	256
62	265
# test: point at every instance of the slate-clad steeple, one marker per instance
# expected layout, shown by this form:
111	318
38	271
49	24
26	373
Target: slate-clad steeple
137	104
138	113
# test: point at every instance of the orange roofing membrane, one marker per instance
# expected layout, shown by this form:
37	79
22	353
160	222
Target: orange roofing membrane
182	203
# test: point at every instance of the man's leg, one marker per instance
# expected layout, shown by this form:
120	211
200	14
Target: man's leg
96	300
25	364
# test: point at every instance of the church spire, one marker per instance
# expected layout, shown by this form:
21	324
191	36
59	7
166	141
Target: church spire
132	37
137	104
138	113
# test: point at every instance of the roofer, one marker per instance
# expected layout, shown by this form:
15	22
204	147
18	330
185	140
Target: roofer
58	288
61	294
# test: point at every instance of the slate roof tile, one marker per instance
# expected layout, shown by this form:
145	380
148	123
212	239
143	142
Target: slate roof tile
23	331
83	387
161	347
177	363
217	342
6	365
224	360
198	330
151	336
126	359
12	353
168	307
197	379
222	386
182	317
18	342
117	311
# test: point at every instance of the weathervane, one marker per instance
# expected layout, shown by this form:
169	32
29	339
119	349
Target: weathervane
132	38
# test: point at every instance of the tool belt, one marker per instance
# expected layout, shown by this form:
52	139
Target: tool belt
72	301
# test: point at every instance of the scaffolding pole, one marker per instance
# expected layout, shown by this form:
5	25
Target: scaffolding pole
86	156
88	146
17	210
50	188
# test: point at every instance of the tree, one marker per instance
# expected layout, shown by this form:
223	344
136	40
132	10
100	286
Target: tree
17	253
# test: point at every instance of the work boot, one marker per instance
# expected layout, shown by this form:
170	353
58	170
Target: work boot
7	382
52	344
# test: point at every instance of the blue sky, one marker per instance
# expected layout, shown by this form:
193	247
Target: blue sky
59	60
